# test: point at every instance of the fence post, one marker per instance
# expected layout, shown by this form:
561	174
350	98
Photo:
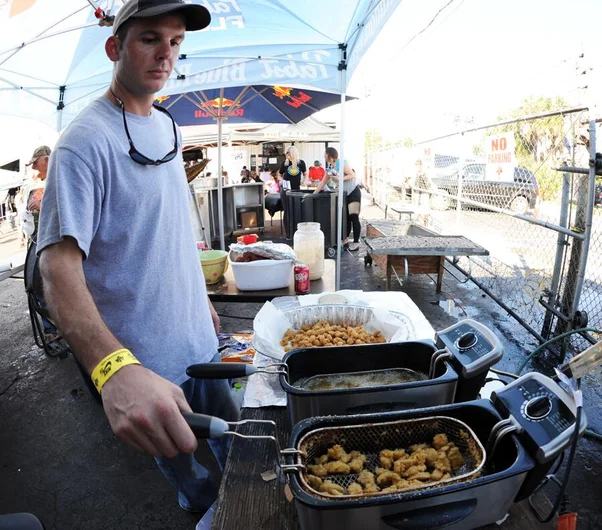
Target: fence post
560	253
583	223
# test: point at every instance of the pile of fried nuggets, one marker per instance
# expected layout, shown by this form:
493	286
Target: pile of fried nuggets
399	469
325	334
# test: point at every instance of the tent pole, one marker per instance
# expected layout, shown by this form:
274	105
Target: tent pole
340	227
220	196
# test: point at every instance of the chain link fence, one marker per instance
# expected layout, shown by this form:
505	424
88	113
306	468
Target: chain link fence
501	187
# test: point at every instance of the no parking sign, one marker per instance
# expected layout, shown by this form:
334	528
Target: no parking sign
501	158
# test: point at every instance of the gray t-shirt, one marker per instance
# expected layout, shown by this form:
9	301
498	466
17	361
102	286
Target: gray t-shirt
132	223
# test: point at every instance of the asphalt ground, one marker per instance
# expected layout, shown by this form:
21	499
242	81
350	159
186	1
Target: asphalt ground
60	461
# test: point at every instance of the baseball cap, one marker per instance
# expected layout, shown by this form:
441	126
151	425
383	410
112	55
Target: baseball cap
43	150
196	16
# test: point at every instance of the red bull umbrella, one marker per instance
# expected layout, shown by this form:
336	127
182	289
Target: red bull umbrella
249	104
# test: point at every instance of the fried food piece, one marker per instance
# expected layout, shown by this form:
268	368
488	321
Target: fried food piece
386	458
336	468
336	452
418	447
455	458
436	475
366	477
442	463
439	440
357	464
424	476
399	453
355	489
402	464
314	482
371	488
414	470
331	488
321	459
430	457
318	470
379	471
388	478
390	489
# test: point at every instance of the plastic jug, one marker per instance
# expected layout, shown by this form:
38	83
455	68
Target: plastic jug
308	243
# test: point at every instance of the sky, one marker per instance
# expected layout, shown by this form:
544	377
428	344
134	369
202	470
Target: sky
478	60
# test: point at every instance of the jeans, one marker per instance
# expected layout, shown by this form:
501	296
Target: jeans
196	488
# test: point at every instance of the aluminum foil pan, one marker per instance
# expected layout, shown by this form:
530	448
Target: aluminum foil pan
338	314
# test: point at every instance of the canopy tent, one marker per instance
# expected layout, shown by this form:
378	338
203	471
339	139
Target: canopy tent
53	62
308	130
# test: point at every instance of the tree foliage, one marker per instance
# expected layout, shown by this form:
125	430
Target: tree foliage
539	141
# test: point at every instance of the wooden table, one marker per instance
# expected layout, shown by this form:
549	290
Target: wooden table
247	501
411	249
226	290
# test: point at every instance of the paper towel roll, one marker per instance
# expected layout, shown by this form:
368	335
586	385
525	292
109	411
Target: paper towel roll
5	265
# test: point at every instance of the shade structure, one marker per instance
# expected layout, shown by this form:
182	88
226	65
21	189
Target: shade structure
52	59
248	104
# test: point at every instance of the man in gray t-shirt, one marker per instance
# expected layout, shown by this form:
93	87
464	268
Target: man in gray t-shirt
118	254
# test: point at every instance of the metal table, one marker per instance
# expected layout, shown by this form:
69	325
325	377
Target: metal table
412	249
226	290
11	272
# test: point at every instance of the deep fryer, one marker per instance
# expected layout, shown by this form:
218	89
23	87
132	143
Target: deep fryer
456	364
524	428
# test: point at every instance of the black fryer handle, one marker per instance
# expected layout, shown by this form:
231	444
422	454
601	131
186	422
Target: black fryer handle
204	426
220	370
430	517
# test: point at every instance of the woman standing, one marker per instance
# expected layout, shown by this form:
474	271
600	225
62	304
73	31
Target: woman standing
292	171
351	188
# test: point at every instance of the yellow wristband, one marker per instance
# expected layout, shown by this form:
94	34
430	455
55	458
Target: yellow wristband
110	365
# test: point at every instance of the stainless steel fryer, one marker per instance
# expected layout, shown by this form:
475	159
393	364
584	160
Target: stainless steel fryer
456	364
524	436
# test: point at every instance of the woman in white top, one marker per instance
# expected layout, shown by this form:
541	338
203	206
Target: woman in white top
351	188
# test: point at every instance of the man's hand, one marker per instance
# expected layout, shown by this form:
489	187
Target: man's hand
214	316
145	411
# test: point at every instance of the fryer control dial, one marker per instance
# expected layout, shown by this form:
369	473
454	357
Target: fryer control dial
474	347
467	341
538	408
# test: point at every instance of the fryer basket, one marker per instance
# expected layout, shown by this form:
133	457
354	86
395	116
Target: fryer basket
370	439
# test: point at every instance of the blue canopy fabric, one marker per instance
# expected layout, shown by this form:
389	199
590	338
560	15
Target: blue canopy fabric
249	104
53	63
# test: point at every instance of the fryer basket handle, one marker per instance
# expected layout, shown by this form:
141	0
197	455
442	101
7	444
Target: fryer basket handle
431	517
220	370
204	426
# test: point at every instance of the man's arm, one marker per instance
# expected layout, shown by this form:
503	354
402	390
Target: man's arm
143	409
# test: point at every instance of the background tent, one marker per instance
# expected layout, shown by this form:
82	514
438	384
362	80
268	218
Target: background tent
53	62
248	104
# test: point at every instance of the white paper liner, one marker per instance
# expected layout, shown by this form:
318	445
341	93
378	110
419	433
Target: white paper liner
264	390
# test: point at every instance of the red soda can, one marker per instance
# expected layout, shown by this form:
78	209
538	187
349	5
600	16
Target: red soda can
302	285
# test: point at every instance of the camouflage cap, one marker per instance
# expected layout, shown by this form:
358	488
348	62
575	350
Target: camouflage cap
43	150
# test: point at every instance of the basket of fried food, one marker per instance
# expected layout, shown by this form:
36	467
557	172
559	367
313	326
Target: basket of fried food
389	458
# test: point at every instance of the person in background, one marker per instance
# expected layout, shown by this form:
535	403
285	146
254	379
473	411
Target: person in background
293	172
35	191
244	174
272	185
351	188
264	175
253	176
119	261
316	173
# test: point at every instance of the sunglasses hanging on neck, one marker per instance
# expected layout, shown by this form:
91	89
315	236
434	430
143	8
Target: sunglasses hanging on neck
136	155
